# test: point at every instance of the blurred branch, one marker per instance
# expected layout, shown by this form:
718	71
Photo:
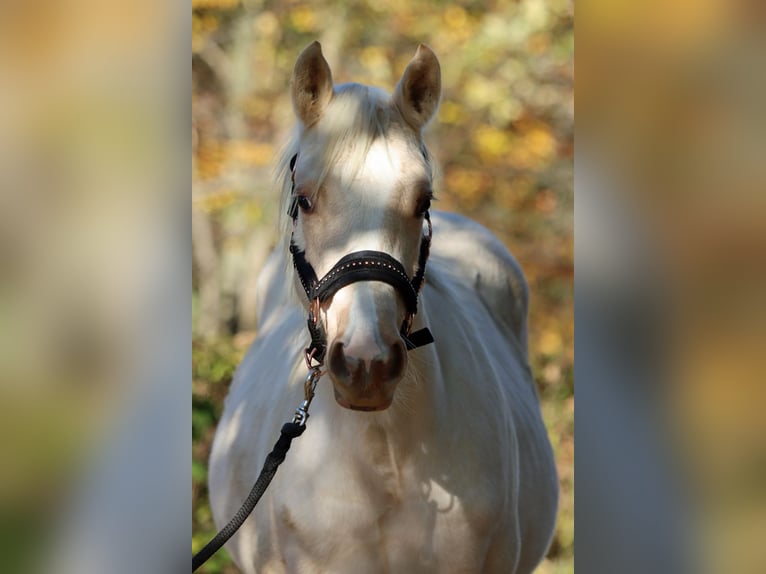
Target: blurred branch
206	188
207	261
214	56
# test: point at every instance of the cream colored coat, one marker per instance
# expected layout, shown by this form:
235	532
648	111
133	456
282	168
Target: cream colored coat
456	476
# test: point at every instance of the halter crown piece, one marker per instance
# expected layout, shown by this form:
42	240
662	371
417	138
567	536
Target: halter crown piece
354	267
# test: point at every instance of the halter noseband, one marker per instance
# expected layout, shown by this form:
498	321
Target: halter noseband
354	267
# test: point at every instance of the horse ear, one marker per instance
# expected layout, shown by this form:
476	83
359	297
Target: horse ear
417	93
311	84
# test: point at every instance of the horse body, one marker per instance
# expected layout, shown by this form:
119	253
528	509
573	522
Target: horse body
455	474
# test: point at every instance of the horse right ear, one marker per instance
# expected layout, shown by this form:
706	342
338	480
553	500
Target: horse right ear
418	91
311	84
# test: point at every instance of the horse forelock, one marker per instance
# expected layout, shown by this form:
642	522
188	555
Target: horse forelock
356	117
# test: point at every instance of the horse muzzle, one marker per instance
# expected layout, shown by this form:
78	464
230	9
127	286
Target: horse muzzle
366	379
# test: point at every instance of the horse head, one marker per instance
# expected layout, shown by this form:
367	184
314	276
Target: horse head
361	181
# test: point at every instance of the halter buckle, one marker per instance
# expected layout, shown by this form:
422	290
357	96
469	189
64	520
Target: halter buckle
407	324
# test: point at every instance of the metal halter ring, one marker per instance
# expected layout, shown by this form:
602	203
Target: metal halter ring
309	388
308	355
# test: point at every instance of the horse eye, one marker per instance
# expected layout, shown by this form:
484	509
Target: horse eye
423	206
304	203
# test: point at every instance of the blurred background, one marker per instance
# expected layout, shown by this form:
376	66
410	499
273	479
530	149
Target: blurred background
503	141
94	285
671	323
96	336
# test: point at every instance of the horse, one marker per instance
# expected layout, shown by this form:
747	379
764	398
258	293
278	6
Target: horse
434	459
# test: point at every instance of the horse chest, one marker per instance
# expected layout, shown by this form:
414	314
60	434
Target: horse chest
382	511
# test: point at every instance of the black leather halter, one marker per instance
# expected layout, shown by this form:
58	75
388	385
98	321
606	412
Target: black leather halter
354	267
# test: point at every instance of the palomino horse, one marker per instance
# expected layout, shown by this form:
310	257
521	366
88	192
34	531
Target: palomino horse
435	460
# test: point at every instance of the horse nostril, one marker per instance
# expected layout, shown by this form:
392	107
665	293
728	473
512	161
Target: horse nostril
397	360
337	360
348	365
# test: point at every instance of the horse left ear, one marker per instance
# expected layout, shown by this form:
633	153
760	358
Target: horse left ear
417	93
311	84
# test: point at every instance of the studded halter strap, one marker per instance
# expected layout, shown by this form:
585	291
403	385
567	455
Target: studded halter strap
354	267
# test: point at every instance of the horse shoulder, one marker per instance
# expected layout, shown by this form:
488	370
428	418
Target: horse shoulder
263	393
478	258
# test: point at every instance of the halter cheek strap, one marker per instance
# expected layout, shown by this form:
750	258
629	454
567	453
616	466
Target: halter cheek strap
355	267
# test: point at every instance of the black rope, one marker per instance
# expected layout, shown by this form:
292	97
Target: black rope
273	460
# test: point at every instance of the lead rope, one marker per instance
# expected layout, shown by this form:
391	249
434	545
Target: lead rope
361	265
290	430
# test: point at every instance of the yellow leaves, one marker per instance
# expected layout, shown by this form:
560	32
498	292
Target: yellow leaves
528	146
540	140
550	342
376	63
505	111
530	149
451	113
210	160
538	44
480	92
491	143
252	153
215	201
455	17
672	26
214	156
214	4
545	201
303	19
258	108
458	26
535	148
468	185
253	211
373	56
266	24
202	26
512	195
